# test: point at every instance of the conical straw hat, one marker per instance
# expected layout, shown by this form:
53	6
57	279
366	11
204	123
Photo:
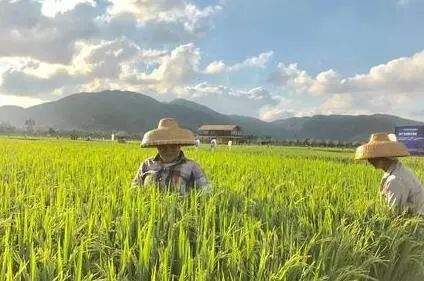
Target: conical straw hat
168	132
381	145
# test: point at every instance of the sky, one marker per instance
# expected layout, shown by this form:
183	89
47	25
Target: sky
268	59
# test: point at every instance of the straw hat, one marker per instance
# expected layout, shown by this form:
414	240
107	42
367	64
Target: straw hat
168	132
381	145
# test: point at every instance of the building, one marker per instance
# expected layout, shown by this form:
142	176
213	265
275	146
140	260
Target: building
222	134
121	137
412	137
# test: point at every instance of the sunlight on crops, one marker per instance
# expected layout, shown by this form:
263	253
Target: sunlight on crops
68	212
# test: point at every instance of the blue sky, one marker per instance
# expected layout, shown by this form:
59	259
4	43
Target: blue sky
267	59
348	36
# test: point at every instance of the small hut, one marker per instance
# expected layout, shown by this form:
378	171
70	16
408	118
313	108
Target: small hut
222	133
121	137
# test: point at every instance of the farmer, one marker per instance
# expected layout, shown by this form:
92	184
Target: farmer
170	169
213	144
402	189
197	144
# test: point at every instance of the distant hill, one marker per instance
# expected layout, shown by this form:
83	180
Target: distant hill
136	113
12	114
341	127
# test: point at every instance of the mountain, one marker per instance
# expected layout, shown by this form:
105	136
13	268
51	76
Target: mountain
194	106
341	127
12	114
111	111
136	113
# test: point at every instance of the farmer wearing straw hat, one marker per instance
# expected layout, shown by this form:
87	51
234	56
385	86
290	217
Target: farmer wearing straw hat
170	169
401	188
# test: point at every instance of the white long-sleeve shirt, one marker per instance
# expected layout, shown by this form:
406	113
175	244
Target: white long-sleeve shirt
402	189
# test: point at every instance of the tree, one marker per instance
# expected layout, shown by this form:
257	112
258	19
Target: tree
52	132
6	128
29	124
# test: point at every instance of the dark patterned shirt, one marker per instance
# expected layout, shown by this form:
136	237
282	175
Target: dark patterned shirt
182	175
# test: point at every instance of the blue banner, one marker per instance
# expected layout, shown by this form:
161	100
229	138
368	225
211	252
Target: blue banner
412	137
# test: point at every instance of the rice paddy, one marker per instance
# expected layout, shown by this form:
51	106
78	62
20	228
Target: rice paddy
68	212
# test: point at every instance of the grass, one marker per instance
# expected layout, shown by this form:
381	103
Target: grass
69	212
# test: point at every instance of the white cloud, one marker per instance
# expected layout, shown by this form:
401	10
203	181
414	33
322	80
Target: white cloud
228	100
21	101
326	82
215	67
396	87
92	64
49	30
55	48
29	33
153	55
149	10
188	15
399	76
105	60
402	75
52	7
275	112
120	63
175	69
259	61
19	83
290	76
204	89
115	64
296	107
358	103
107	63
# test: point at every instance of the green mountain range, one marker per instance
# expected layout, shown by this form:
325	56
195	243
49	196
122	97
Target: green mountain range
135	113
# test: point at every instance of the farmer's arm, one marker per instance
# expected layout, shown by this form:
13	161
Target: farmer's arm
200	179
396	194
139	177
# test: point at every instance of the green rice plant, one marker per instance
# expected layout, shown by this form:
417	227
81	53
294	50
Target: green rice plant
68	212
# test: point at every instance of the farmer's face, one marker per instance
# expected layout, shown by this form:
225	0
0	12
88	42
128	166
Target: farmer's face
379	163
169	152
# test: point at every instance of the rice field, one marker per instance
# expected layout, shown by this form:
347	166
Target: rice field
68	212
